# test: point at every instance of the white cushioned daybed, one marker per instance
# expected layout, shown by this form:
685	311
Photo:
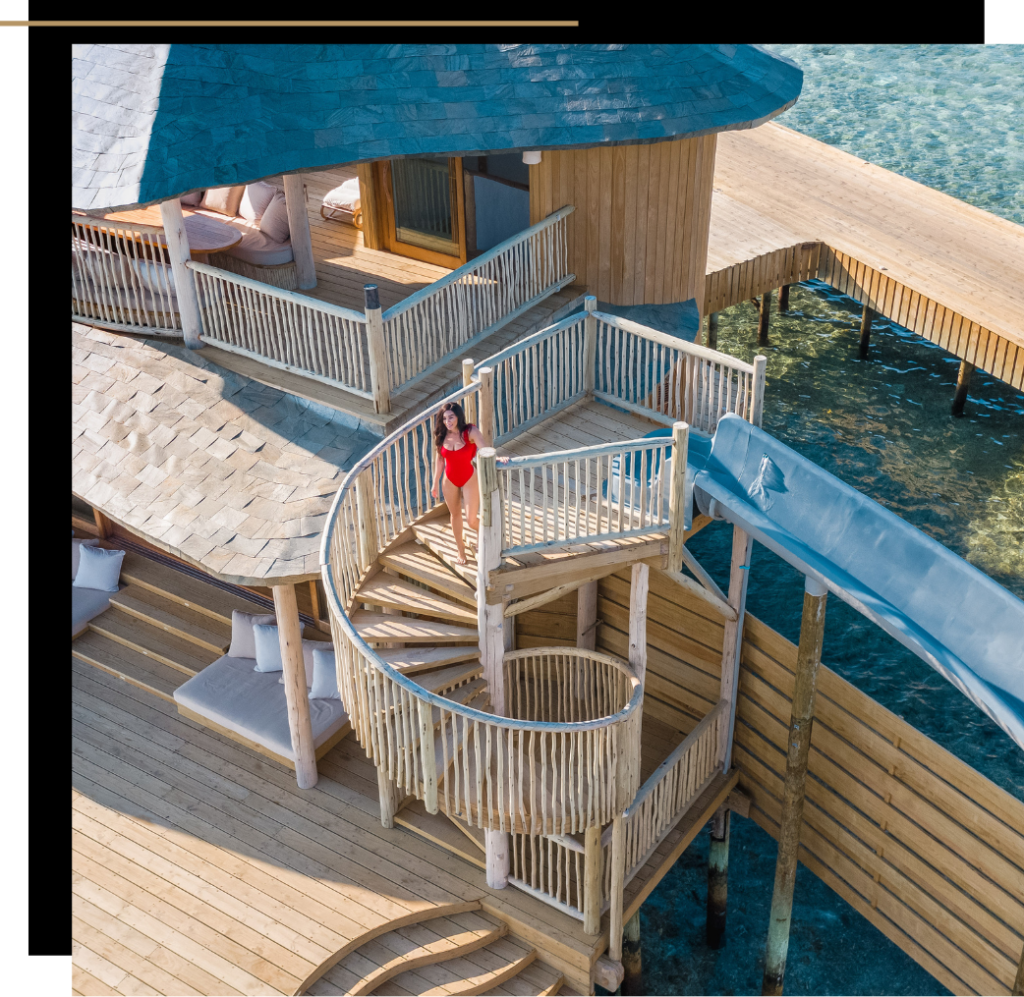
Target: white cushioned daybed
235	698
344	204
92	583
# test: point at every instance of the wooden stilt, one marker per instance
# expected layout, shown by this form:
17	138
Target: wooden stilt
812	631
718	878
290	633
593	873
380	384
713	331
390	797
739	572
491	623
632	964
784	299
184	279
586	616
865	331
764	309
963	385
298	227
1018	983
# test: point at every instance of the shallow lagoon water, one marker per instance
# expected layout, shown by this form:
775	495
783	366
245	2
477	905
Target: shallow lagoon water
946	116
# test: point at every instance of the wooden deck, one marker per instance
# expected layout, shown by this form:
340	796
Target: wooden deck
787	207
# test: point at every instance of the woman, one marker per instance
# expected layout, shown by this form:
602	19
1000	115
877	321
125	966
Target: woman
457	445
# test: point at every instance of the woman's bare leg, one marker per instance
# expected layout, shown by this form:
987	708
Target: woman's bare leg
471	496
453	498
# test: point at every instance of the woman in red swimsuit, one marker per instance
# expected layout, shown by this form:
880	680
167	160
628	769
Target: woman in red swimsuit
457	445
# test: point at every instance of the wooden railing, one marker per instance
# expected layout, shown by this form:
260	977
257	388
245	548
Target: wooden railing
577	496
283	329
121	277
672	380
475	300
548	772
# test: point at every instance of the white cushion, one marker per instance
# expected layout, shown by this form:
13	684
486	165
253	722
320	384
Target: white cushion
325	675
255	200
258	248
155	277
268	648
86	604
75	545
98	568
346	196
308	647
274	223
226	200
243	643
192	200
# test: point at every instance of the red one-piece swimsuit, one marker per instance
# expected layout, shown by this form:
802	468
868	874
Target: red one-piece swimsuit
458	466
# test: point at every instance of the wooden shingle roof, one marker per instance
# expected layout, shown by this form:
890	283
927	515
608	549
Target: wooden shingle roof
227	473
150	122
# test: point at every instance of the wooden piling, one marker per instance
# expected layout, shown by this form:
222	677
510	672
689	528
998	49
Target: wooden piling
784	299
963	385
812	630
865	331
718	878
764	309
732	638
632	963
713	331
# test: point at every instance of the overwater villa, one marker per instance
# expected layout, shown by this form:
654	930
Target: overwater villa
314	752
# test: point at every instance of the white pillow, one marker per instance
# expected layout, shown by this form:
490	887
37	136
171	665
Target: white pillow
274	223
75	545
98	568
226	200
325	675
268	648
255	200
308	647
155	277
243	643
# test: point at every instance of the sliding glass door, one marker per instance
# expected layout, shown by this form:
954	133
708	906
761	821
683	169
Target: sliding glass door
424	201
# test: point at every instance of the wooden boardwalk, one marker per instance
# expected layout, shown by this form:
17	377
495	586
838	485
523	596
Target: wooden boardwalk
787	208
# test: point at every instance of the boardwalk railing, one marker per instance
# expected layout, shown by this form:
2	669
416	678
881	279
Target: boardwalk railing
537	773
121	277
578	496
285	330
475	300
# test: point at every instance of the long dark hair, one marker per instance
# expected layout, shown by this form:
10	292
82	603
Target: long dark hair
441	430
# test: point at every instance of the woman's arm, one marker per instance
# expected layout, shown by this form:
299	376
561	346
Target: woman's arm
438	471
475	436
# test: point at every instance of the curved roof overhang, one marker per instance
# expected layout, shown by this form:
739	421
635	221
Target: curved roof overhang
151	122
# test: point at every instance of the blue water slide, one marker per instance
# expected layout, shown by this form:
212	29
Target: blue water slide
965	625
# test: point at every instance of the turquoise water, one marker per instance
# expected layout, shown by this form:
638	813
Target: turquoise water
946	116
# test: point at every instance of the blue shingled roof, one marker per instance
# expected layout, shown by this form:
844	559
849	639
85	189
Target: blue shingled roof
154	121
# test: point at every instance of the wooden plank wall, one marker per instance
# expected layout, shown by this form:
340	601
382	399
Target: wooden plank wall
916	312
640	230
921	844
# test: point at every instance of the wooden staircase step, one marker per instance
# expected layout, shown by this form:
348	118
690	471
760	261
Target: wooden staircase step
395	593
416	946
411	660
127	664
465	695
537	980
160	645
181	620
442	680
476	973
376	628
416	561
183	589
440	830
436	536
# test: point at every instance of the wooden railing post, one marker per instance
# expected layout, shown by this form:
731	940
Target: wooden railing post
589	344
366	511
380	386
298	227
296	696
638	588
732	638
593	874
427	757
486	413
469	403
757	408
586	616
184	279
491	621
618	860
677	496
390	795
801	723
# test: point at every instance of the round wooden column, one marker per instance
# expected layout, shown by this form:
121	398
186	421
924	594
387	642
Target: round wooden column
298	226
184	280
297	696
